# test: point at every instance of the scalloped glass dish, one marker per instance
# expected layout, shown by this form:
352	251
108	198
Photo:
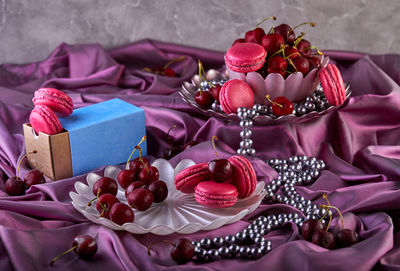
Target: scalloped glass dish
178	213
188	91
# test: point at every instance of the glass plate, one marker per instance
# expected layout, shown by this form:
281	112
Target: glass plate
188	91
178	213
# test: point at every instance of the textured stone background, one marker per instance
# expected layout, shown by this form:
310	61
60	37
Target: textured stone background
31	29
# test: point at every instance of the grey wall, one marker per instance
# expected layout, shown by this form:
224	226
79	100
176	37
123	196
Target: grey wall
31	29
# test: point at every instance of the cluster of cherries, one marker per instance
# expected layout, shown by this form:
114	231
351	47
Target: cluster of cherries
175	147
142	187
286	53
166	70
315	231
15	186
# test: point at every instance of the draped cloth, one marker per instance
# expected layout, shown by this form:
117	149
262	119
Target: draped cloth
359	144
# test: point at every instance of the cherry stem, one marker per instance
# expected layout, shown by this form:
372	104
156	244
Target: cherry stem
333	207
202	75
272	17
103	207
291	63
174	60
213	139
97	196
146	69
169	130
295	53
299	38
140	158
273	102
309	23
134	149
325	197
162	241
282	50
314	47
62	254
20	161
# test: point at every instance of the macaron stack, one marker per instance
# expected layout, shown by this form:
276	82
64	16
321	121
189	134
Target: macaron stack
199	180
48	102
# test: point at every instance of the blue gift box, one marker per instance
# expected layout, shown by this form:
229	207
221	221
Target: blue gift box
104	134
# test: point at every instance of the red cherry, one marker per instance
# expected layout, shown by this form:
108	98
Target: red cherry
15	187
254	35
141	199
346	238
149	175
215	91
138	164
286	32
34	177
272	42
171	152
304	47
83	245
314	62
126	177
301	64
309	227
281	106
133	186
121	213
291	52
238	41
170	72
159	190
220	169
203	98
105	185
183	251
324	239
277	64
104	204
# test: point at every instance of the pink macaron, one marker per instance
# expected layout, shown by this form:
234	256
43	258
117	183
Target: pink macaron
44	120
57	100
187	179
243	176
245	57
332	84
217	195
234	94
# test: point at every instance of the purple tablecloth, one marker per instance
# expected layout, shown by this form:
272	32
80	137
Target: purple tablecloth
359	143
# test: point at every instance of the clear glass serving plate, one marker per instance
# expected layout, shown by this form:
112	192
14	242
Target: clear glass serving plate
178	213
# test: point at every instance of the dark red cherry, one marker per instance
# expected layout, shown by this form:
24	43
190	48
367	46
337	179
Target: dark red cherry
105	185
282	106
346	238
314	62
309	227
220	169
272	42
84	246
302	65
324	239
121	213
138	164
238	41
159	190
304	47
203	98
286	32
34	177
141	199
171	152
15	187
277	64
149	175
215	91
133	186
126	177
170	72
254	35
291	52
104	204
183	251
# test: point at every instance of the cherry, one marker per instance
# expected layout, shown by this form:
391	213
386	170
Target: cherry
133	186
203	98
190	144
159	190
84	246
138	164
304	47
183	251
171	152
121	213
276	64
105	185
15	186
238	41
220	169
104	204
170	72
286	32
126	177
346	238
309	227
149	175
254	35
324	239
272	42
215	90
300	64
291	52
141	199
34	177
281	105
314	62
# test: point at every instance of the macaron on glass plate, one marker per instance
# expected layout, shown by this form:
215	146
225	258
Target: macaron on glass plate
188	91
178	213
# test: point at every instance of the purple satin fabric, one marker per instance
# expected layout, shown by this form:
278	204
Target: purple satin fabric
359	143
